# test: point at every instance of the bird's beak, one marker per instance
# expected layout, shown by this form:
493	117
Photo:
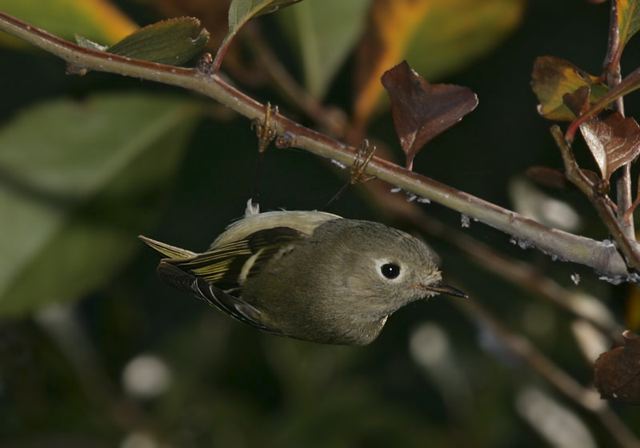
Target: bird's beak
441	288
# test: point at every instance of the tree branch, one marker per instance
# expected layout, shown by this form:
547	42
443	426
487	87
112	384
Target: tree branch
603	257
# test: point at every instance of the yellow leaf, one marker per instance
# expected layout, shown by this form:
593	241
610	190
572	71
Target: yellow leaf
553	78
436	37
98	20
628	17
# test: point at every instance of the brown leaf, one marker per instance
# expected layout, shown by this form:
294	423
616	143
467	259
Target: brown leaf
547	177
438	37
617	372
578	101
421	110
613	142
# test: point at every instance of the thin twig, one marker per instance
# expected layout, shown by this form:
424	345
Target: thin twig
521	347
628	247
613	77
625	202
611	64
635	204
598	255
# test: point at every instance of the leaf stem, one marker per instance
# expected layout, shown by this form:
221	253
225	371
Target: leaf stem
222	52
578	249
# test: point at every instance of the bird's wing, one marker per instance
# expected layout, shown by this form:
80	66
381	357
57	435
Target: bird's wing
228	265
217	276
228	303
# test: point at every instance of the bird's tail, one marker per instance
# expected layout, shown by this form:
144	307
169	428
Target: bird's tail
167	271
172	252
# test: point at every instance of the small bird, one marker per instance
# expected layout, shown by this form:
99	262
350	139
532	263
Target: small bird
307	275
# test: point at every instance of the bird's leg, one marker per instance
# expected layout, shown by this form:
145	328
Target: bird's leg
357	175
364	154
265	129
266	133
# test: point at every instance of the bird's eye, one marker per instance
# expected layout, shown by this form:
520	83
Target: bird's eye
390	270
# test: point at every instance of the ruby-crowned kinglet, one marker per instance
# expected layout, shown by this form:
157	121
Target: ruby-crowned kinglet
308	275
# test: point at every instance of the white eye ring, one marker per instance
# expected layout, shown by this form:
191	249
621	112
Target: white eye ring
390	271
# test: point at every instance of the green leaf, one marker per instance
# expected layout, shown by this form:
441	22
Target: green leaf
553	78
240	12
98	20
173	41
324	33
78	183
628	18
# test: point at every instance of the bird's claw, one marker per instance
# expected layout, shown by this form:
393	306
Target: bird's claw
265	130
364	154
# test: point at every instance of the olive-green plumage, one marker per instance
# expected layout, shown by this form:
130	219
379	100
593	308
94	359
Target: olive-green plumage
308	275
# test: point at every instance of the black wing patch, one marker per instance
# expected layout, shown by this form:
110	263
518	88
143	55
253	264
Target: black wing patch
229	265
216	276
230	304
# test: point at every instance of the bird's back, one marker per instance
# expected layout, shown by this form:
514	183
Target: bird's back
304	222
